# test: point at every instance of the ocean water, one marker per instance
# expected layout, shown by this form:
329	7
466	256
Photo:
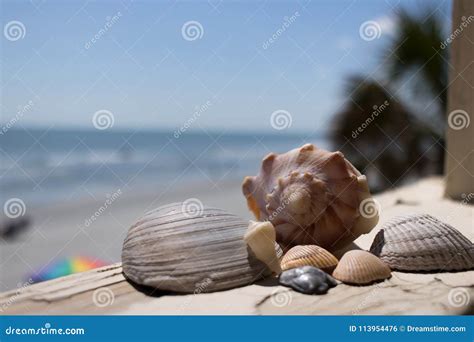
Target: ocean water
42	167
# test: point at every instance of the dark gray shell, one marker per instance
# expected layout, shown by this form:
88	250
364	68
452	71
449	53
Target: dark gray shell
307	279
203	251
422	243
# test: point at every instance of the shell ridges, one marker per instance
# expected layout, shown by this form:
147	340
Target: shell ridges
170	249
420	242
361	268
309	255
313	193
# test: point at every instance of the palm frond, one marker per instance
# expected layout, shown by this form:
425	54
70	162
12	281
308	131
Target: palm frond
415	51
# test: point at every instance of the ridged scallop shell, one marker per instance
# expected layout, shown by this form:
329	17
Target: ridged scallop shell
309	255
311	196
170	249
360	268
421	242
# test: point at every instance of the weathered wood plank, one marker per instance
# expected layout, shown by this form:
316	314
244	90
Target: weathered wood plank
106	291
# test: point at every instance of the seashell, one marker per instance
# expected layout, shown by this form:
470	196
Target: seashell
311	196
420	242
309	255
260	236
360	268
307	279
205	251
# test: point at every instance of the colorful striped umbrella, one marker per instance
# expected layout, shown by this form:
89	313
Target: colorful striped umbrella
66	267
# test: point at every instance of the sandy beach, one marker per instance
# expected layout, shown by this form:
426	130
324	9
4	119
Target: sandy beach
66	230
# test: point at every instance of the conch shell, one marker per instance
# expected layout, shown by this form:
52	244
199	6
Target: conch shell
311	196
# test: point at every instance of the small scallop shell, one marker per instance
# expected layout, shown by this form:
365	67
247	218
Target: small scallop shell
420	242
309	255
360	268
170	249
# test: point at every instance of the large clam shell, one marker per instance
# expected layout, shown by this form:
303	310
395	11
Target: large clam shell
309	255
311	196
420	242
360	268
205	251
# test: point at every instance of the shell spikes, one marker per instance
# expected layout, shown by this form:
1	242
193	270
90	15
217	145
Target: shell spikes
311	196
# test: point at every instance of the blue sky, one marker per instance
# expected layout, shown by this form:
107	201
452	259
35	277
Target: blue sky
144	72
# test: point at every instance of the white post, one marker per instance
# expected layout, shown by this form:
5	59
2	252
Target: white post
459	166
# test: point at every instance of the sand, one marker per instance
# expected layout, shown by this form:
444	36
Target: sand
448	293
62	231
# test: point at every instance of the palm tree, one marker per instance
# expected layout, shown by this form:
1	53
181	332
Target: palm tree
379	135
397	142
417	48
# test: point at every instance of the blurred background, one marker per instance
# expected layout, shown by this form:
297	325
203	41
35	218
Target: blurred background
111	108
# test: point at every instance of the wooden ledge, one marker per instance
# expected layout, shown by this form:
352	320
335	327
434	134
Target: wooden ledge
106	291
